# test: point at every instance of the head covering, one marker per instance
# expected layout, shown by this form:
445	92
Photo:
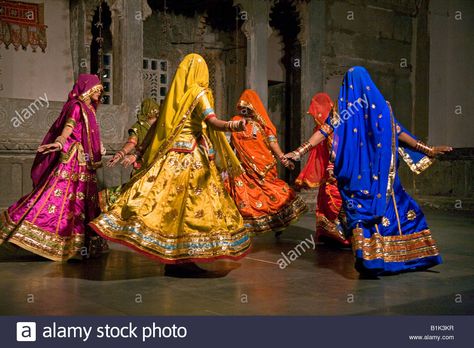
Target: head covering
254	151
314	171
364	148
319	108
84	87
250	99
190	83
149	108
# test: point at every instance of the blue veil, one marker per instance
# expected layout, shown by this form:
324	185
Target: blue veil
364	148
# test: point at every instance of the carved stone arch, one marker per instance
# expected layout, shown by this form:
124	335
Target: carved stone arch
91	6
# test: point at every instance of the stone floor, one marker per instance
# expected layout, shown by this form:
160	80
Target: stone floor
320	282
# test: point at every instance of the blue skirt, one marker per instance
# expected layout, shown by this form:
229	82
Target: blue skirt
401	241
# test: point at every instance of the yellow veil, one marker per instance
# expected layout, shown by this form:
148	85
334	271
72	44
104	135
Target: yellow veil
190	83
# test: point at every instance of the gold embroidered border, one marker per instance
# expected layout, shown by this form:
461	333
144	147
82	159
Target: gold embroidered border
36	240
93	165
66	157
306	183
418	167
329	227
393	170
136	233
399	248
286	216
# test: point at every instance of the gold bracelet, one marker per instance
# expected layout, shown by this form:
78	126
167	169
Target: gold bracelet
427	150
304	148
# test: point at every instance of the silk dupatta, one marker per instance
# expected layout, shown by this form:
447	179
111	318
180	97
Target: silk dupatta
44	163
148	108
364	148
190	83
257	157
314	171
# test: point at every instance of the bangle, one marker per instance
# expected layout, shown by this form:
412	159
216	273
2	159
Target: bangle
304	148
61	139
227	126
427	150
234	126
121	153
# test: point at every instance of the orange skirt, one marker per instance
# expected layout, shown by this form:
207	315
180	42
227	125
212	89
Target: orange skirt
265	205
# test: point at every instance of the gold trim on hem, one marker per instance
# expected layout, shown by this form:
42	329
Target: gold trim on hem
278	221
135	233
398	248
329	227
38	241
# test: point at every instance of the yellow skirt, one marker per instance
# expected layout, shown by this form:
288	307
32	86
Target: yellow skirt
178	211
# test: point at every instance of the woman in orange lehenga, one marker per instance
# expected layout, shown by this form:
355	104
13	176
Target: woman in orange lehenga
318	172
265	202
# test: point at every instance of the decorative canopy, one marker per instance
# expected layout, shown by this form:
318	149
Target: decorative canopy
22	24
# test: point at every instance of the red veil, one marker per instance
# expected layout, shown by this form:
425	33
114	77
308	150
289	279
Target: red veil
314	171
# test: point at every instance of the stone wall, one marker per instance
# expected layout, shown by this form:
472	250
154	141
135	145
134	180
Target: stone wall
171	36
27	74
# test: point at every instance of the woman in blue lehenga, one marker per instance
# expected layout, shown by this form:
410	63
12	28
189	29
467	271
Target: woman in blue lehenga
389	230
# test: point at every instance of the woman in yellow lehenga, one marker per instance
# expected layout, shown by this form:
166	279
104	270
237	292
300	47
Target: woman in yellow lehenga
175	208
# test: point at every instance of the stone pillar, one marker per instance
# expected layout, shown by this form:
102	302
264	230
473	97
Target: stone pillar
311	37
256	29
421	75
130	15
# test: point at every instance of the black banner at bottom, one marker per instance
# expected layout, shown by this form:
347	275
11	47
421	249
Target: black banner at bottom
227	332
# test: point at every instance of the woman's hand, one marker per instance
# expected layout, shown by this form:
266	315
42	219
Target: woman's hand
292	156
440	150
286	162
47	148
242	125
129	160
114	160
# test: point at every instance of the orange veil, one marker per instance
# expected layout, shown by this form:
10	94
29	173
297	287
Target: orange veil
314	171
256	156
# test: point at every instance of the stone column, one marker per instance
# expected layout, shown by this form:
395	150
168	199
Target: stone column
256	29
311	37
130	15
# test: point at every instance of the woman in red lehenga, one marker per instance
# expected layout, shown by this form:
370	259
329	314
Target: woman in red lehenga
265	202
318	172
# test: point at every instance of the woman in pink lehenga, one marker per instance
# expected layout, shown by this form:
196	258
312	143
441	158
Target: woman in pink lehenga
52	220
